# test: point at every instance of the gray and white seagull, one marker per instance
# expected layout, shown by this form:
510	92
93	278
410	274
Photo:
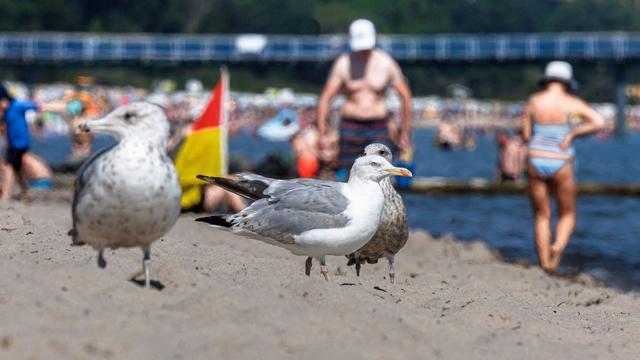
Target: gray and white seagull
311	217
127	195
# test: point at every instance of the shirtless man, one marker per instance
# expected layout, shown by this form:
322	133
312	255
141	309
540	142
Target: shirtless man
512	155
363	75
448	135
549	130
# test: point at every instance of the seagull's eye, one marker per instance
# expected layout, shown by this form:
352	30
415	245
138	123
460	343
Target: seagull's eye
381	152
375	164
128	116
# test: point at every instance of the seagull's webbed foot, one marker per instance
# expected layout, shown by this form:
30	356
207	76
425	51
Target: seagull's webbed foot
392	270
102	263
307	266
323	268
356	257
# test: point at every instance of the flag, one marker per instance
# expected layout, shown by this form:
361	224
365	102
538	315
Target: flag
204	150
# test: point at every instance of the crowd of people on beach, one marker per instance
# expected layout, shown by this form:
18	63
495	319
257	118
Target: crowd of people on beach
534	138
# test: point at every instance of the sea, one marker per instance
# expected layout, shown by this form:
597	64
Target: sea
605	244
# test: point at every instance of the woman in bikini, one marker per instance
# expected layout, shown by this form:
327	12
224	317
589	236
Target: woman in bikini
550	132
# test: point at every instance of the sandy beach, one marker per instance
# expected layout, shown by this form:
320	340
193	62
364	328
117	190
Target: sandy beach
229	297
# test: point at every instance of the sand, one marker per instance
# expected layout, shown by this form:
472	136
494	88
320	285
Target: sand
226	297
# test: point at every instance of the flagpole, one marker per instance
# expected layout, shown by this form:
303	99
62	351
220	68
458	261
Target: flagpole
224	77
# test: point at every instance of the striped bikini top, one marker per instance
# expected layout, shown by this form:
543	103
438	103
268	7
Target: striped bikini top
547	137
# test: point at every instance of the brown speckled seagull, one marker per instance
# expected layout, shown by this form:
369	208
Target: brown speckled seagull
393	231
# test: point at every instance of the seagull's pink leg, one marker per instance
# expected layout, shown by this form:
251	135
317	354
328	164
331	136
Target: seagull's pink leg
323	268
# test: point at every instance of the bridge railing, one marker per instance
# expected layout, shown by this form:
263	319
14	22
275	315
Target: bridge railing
86	47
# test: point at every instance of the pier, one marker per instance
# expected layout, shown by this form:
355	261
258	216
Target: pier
617	49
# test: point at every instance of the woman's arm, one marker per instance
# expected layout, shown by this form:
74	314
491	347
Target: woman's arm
593	122
526	123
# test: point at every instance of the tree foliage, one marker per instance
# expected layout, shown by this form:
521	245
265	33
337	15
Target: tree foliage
319	16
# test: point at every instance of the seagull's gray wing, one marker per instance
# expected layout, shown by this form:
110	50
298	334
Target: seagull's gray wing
307	194
82	178
293	207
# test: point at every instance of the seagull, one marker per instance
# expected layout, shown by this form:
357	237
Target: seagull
393	231
127	195
309	217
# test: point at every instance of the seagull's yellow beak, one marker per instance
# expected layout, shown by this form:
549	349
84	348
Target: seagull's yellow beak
400	171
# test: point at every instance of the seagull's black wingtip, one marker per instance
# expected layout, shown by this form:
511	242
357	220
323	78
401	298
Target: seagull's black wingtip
208	179
213	179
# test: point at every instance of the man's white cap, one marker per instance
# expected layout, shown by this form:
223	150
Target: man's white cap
362	35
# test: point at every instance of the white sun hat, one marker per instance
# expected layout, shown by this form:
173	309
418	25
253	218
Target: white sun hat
362	35
560	71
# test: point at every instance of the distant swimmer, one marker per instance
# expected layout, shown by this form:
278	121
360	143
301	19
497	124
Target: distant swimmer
364	74
128	195
511	156
311	217
449	136
393	232
549	129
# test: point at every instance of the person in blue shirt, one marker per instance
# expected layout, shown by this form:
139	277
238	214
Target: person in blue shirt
12	113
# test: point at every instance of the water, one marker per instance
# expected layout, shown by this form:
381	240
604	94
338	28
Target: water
605	244
55	150
610	160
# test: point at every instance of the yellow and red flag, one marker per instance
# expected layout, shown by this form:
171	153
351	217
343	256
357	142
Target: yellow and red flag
204	150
